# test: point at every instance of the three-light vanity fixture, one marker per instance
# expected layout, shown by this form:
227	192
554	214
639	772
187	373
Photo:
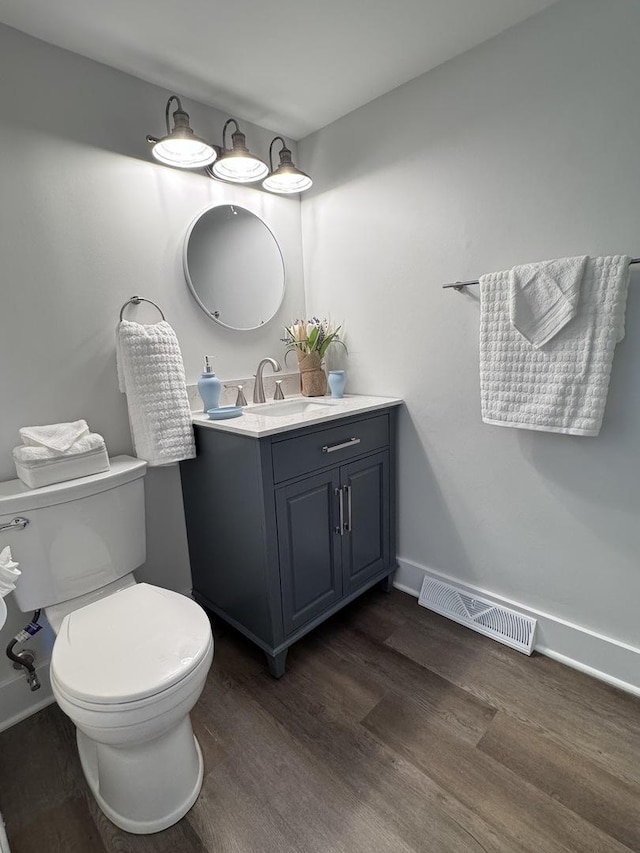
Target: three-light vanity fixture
182	148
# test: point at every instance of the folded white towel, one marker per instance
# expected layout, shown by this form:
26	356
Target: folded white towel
544	297
562	386
151	374
58	437
58	469
32	457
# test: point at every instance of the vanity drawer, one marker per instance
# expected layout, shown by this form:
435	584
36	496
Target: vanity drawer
295	456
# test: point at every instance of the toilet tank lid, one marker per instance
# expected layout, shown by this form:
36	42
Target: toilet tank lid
15	497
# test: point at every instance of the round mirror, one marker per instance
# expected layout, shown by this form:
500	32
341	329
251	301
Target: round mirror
234	267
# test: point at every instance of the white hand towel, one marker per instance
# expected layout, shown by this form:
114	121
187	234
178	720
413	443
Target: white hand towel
151	374
9	573
544	297
32	456
563	386
59	437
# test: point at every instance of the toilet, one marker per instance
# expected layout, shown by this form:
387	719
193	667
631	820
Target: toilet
130	659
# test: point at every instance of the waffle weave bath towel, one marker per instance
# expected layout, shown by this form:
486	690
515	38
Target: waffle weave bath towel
151	374
561	386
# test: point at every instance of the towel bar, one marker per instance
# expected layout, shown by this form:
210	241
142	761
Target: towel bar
458	285
136	300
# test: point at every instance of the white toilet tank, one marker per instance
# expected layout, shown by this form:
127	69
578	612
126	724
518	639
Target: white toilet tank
80	536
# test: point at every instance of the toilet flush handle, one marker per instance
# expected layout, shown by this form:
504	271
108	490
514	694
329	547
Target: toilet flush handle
18	523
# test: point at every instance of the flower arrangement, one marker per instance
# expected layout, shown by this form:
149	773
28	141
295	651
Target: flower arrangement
307	336
310	339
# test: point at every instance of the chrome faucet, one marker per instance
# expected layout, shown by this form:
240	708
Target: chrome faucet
258	388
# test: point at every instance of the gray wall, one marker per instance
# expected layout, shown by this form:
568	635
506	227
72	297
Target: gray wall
86	220
525	148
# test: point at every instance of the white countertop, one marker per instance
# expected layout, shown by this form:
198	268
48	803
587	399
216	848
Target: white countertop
255	425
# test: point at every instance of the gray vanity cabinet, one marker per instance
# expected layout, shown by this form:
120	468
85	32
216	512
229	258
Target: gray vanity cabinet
285	530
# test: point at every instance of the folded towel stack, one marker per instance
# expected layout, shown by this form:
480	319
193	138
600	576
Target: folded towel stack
58	452
9	572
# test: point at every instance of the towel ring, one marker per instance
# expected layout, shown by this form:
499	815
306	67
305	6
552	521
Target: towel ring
136	300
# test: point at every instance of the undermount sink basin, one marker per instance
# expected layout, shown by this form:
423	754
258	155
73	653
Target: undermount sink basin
286	408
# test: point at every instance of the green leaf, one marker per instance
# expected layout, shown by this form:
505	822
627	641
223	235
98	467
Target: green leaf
313	337
332	339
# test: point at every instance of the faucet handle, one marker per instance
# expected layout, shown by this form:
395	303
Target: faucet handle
241	400
279	394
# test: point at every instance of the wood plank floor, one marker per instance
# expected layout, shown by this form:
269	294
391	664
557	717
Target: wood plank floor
393	731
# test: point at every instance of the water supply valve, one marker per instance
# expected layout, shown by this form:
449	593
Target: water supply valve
25	658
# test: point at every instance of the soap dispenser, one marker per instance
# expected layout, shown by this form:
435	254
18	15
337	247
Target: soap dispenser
209	387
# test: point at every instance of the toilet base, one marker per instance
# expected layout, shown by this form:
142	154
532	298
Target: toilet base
148	787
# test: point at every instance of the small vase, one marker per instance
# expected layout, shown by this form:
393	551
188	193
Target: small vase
313	379
337	380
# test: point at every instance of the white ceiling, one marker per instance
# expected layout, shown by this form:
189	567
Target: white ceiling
290	65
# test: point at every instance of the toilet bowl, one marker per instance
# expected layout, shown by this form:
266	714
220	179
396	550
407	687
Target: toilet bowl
127	670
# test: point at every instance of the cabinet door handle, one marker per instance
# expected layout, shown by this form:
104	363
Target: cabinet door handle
331	448
338	493
348	526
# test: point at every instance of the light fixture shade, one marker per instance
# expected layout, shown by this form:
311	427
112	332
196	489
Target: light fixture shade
183	152
237	164
286	178
181	147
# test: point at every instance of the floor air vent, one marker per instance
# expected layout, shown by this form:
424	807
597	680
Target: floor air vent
508	627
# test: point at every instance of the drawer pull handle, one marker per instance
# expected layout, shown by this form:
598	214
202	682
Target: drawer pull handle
333	447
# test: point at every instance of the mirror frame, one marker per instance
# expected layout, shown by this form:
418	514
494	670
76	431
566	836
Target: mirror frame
214	315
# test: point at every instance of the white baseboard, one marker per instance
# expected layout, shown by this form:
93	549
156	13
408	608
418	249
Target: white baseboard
600	656
16	700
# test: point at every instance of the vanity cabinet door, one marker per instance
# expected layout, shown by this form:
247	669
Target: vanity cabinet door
366	541
309	545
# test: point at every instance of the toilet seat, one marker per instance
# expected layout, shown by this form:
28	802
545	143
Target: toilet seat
114	714
130	648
